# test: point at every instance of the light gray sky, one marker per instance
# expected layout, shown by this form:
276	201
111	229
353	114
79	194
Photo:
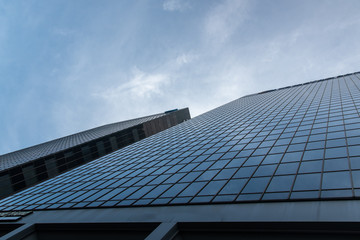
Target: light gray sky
67	66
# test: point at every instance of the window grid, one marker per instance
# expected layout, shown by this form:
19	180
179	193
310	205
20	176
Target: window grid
294	143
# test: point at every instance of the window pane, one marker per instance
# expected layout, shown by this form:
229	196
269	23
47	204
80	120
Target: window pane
256	185
233	186
281	183
212	188
307	182
310	166
336	164
335	180
288	168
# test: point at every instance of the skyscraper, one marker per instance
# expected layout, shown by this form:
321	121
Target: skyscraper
277	164
26	167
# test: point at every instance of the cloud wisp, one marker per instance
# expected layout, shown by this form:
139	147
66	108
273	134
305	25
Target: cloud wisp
223	20
175	5
141	86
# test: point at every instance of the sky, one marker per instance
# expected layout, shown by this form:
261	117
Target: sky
67	66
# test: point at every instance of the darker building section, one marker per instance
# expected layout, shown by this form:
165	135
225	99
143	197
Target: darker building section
30	173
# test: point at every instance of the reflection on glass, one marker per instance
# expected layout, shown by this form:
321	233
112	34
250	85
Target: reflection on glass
333	180
256	185
233	186
307	182
281	183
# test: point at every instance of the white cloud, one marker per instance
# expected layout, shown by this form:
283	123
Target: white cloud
200	77
141	86
175	5
224	19
113	98
186	58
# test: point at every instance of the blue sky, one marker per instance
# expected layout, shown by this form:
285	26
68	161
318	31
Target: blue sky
67	66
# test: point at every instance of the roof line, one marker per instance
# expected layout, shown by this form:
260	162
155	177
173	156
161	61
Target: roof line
301	84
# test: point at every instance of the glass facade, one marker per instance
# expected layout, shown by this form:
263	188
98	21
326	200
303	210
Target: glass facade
295	143
29	166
